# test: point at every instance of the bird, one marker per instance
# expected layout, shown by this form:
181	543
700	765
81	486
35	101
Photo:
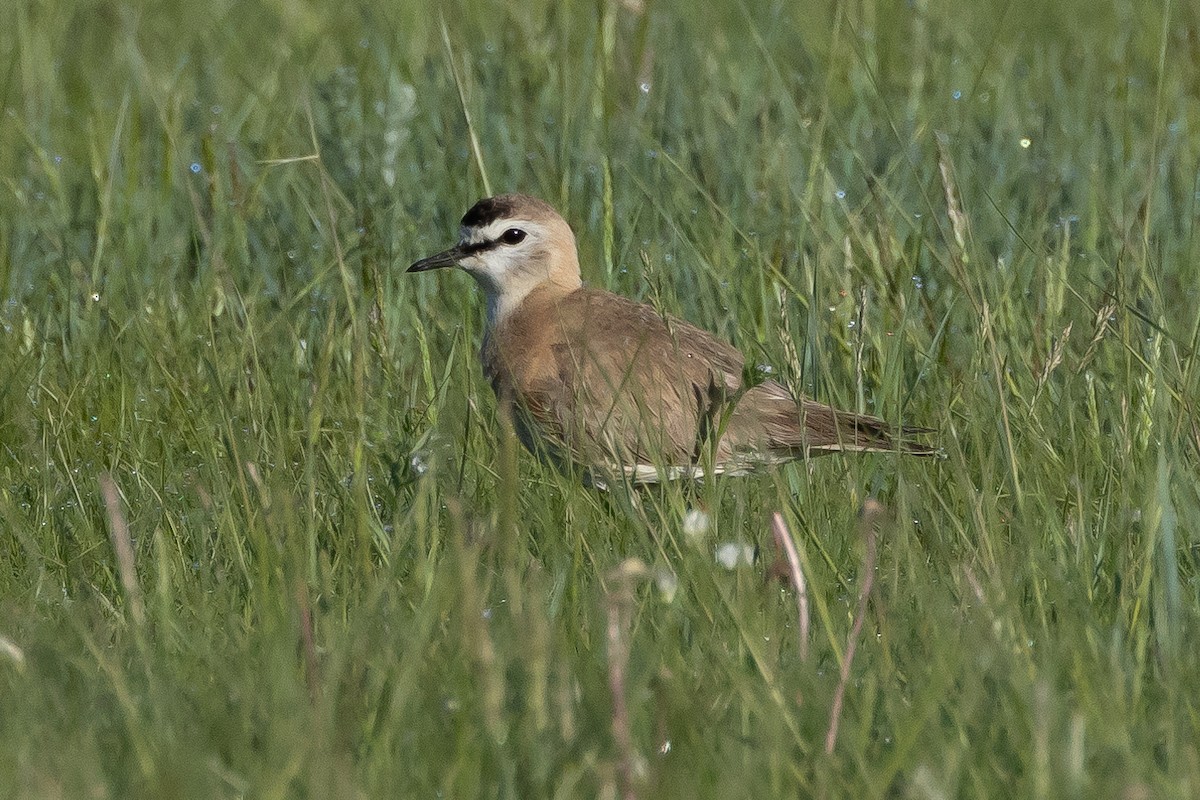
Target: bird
595	381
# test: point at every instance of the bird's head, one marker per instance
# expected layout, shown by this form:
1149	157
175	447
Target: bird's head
511	244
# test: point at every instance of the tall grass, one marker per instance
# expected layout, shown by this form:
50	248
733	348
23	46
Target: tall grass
342	578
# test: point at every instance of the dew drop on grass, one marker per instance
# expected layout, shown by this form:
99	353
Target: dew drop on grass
840	194
195	168
644	87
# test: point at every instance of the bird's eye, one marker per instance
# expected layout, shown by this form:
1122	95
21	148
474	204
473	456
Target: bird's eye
513	236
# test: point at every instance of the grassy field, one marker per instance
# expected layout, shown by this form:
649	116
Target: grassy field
261	534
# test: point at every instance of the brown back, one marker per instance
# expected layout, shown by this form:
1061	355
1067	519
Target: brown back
607	380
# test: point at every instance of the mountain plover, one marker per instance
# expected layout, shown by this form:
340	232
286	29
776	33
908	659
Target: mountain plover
595	380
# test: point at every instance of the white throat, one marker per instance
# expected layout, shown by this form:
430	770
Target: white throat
501	303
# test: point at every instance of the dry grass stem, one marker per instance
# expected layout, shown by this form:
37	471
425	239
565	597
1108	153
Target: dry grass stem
118	528
619	606
308	641
783	541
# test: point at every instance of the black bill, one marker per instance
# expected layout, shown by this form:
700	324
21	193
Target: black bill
446	258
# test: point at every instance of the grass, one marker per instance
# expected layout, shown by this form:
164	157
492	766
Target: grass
343	579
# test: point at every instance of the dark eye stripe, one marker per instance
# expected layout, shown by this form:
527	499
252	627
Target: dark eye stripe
478	247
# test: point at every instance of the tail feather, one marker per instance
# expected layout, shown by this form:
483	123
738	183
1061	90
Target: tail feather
768	420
